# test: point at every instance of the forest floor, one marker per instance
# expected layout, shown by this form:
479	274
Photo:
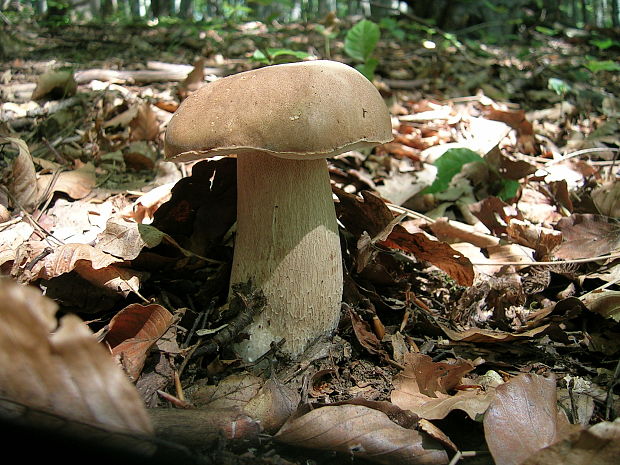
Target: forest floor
481	249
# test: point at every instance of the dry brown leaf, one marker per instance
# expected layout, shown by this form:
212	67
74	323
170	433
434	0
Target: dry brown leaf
133	331
77	183
597	445
445	229
439	254
607	199
605	303
65	372
269	402
145	125
587	236
55	85
21	182
360	431
542	240
423	387
365	336
487	335
495	214
523	418
34	262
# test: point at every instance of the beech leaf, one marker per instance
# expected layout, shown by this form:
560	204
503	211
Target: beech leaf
66	373
361	431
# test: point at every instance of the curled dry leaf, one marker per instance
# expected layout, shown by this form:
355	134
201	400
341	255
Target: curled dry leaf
423	387
370	214
363	432
133	331
38	262
66	372
21	180
523	418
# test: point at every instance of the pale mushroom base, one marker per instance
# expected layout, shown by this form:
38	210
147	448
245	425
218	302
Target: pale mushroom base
287	243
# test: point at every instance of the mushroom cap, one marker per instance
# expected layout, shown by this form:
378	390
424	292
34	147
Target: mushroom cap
307	110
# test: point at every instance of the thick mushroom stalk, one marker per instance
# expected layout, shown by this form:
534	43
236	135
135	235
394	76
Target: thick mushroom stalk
282	122
287	242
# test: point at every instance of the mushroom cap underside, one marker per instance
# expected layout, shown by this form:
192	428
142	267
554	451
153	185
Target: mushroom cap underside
307	110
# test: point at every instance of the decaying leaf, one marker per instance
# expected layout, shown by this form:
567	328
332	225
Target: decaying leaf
587	236
371	215
77	183
363	432
133	331
269	402
523	418
605	303
607	199
487	335
144	126
597	445
61	370
55	85
37	261
21	180
423	387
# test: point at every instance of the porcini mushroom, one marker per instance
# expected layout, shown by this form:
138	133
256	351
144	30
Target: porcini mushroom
281	122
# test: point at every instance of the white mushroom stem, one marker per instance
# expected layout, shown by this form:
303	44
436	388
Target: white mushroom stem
287	243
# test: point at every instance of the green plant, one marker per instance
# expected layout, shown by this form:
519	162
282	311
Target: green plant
393	27
606	65
272	56
360	43
451	163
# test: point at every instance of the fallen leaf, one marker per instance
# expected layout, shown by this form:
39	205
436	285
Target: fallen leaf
607	199
37	261
77	183
487	335
423	388
144	126
440	254
55	85
522	419
133	331
360	431
269	402
597	445
605	303
21	177
61	369
587	236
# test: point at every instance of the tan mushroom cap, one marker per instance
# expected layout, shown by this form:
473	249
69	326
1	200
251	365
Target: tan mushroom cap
307	110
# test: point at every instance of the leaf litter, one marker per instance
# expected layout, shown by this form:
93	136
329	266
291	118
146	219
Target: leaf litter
480	306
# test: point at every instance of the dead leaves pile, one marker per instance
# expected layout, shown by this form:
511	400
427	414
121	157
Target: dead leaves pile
91	214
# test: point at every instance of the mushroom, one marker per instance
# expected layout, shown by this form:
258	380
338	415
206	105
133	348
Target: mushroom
281	122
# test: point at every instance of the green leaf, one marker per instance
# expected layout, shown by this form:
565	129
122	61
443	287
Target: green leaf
558	86
509	189
606	65
272	55
448	165
361	40
604	44
368	68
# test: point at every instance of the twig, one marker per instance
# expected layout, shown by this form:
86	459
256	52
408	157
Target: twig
251	305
